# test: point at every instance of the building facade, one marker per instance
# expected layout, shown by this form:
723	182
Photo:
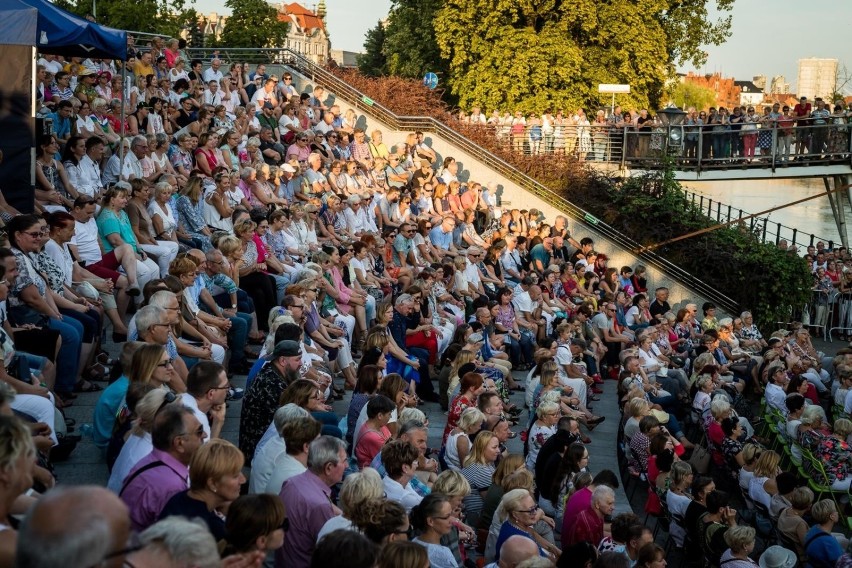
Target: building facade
817	78
307	34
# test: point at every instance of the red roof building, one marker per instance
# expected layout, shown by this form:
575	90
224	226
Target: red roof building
307	34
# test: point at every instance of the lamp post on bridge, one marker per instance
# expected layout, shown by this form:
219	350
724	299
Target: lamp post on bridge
672	118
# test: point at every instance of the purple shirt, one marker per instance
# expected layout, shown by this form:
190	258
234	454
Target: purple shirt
307	500
148	492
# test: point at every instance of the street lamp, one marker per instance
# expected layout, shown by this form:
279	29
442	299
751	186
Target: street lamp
672	118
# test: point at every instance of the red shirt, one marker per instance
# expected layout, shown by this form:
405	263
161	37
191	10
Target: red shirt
588	527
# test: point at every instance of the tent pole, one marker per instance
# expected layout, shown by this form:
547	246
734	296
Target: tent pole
123	113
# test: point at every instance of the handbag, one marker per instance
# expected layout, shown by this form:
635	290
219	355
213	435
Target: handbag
700	460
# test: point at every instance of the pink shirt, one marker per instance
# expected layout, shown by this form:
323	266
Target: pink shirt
579	501
148	492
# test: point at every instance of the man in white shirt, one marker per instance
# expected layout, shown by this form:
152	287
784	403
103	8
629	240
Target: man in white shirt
271	446
471	271
212	95
776	395
526	302
89	179
510	261
132	167
298	435
213	73
267	93
207	388
325	125
354	221
400	459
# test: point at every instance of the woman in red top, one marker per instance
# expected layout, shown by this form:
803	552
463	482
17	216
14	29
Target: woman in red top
470	388
208	157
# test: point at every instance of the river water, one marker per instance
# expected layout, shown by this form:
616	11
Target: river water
752	196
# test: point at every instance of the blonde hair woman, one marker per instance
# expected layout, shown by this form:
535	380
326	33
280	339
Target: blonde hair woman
462	358
358	489
457	447
762	485
455	487
17	461
138	444
518	514
478	471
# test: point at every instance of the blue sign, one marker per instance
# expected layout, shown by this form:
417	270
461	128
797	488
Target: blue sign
430	80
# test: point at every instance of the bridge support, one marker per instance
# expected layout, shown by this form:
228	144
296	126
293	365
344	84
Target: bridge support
836	202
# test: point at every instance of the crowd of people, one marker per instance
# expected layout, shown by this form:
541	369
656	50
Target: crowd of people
745	133
358	265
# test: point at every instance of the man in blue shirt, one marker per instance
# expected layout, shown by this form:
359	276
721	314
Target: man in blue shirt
403	306
62	121
442	236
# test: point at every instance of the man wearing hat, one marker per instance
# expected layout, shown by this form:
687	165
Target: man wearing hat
261	398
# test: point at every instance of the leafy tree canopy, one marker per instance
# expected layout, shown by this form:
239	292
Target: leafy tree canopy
253	23
686	94
373	62
410	45
535	55
164	17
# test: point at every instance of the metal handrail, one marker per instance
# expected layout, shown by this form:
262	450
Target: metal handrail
427	123
722	212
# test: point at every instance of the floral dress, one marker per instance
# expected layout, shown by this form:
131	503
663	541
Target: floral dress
834	455
459	405
730	449
191	217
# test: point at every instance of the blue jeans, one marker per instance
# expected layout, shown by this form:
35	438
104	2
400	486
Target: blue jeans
90	320
68	361
244	302
238	336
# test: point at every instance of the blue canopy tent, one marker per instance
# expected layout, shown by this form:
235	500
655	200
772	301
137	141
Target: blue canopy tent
27	26
63	33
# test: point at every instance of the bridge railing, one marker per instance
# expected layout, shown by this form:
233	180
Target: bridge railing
769	231
333	84
688	147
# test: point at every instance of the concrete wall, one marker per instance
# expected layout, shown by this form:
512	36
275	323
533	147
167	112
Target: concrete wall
512	196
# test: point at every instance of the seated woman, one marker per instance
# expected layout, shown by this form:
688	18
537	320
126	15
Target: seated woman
431	519
163	251
458	444
836	456
519	513
821	546
347	300
307	394
31	398
254	524
192	229
215	478
740	541
31	302
54	191
72	305
18	455
249	274
217	209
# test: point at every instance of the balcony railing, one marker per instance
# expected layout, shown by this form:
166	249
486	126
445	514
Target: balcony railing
688	147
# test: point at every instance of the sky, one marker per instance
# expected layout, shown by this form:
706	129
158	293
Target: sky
768	36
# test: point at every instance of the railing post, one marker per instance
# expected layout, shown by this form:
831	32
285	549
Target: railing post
774	144
795	234
699	152
718	211
729	213
765	222
777	233
624	148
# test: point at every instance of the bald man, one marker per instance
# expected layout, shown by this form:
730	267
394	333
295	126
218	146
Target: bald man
74	527
515	550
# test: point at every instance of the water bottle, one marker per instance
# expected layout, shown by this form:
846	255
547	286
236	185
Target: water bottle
87	430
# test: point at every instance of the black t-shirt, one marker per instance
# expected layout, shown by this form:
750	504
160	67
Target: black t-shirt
419	179
268	145
658	309
641	122
185	506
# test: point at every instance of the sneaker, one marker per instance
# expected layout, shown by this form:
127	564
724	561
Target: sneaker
236	393
598	380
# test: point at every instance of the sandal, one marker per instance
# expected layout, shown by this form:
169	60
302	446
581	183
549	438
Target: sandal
91	388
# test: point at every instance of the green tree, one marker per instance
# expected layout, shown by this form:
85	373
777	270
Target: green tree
536	55
253	23
410	45
164	17
373	62
686	94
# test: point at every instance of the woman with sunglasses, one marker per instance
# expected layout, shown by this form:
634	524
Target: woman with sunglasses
519	514
34	303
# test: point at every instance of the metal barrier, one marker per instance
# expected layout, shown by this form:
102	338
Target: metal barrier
770	232
687	147
358	100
